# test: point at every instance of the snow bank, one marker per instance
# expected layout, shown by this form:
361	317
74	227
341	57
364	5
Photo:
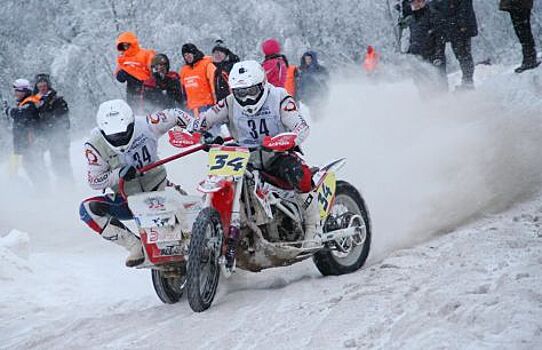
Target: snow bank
14	254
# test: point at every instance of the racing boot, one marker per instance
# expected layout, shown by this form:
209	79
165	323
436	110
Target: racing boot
311	214
116	232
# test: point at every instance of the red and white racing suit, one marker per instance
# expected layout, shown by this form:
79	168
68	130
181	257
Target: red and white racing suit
278	114
104	164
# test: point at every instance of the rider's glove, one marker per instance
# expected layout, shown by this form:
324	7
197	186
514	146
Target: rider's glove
128	172
211	139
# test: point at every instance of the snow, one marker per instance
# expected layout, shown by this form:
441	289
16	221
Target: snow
478	287
14	252
452	185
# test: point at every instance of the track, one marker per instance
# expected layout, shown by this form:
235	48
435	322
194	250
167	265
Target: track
424	168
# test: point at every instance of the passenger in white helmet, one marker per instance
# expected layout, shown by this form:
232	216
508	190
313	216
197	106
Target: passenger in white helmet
121	144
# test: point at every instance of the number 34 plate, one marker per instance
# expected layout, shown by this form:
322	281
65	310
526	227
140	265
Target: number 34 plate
228	161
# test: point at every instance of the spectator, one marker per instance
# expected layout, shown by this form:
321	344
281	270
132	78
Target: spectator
520	13
292	74
197	79
275	64
424	36
312	83
371	60
55	126
224	60
163	89
133	67
456	23
25	127
423	31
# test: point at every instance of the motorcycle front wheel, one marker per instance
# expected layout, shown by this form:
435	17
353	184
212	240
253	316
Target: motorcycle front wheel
203	270
349	254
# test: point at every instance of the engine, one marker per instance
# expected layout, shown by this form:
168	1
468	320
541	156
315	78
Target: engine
283	228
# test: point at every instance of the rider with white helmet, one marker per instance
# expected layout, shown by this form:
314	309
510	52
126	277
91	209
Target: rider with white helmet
120	144
255	110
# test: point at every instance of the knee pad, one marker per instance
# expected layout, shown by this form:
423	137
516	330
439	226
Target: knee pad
94	221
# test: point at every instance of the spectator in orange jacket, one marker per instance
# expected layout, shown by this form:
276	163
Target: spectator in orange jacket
372	57
197	77
292	74
133	67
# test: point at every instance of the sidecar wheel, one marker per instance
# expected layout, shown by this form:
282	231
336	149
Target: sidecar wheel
169	289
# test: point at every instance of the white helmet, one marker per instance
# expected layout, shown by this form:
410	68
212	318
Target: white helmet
248	85
115	120
22	85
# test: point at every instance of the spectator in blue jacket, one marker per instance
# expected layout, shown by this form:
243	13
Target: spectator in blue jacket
312	81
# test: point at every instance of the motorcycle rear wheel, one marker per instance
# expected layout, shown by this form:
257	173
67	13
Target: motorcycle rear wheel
168	289
203	270
332	263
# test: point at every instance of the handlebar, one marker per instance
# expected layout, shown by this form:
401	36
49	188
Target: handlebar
146	168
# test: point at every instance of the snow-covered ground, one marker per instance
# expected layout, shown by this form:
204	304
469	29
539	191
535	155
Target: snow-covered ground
467	165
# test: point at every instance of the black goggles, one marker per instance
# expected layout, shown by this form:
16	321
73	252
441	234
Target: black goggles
121	138
254	90
123	46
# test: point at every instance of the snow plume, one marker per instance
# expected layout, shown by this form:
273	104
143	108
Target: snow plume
426	163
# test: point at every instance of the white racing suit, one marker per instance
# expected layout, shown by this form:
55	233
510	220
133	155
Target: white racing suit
104	163
278	114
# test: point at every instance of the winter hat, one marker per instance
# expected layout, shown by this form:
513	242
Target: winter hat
311	54
42	77
271	47
219	46
190	48
22	85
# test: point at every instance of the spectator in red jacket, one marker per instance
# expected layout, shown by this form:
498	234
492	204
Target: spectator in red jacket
163	89
275	64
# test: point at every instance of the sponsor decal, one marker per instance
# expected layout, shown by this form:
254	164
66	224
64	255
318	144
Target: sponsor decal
91	157
100	179
139	141
170	250
160	222
290	106
112	114
154	118
153	235
156	203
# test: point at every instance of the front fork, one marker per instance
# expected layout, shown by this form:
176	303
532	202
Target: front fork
235	225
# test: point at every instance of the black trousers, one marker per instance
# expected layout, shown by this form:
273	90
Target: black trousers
462	48
521	19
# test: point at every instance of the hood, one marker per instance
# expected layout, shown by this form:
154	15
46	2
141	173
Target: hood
130	38
314	63
271	47
42	77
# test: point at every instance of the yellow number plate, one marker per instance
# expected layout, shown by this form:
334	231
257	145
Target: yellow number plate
226	162
326	192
